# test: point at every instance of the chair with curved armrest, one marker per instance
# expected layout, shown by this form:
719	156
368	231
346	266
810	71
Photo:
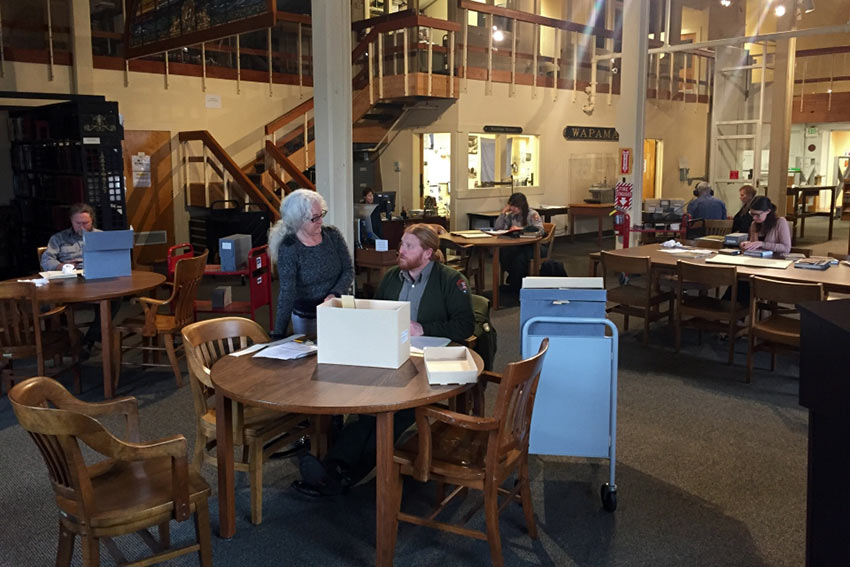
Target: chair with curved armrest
261	432
476	452
154	325
137	485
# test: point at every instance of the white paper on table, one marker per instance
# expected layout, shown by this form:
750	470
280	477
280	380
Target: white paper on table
419	343
288	351
674	250
257	346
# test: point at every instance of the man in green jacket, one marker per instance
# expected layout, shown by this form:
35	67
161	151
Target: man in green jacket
439	306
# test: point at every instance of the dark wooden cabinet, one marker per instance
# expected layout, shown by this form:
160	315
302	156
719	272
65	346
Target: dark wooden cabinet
825	391
393	229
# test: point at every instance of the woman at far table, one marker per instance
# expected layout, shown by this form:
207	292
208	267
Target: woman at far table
768	231
514	259
313	262
742	219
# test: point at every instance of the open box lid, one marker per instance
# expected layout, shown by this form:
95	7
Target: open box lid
108	240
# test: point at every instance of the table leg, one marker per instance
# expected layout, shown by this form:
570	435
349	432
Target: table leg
109	376
572	220
386	505
831	211
224	452
599	230
803	218
497	276
535	268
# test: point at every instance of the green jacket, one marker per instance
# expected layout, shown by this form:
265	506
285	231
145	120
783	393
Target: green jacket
445	310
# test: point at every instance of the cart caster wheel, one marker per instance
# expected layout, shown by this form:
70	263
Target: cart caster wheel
609	497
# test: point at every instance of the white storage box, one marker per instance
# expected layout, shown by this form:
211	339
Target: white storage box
374	333
450	365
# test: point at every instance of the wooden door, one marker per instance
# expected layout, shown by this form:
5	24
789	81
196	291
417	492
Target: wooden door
649	169
150	201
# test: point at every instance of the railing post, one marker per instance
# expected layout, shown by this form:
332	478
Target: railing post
306	141
672	65
575	66
371	57
300	63
404	57
534	60
657	75
166	70
238	67
488	87
803	83
271	78
49	41
184	170
451	64
430	58
2	54
380	66
512	88
205	178
204	67
557	63
224	181
831	80
465	54
126	73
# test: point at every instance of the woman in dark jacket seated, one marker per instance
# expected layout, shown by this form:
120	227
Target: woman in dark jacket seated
742	219
514	259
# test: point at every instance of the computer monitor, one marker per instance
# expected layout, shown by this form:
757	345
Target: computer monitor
364	213
386	202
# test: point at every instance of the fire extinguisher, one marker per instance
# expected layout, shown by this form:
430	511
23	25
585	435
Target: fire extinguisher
622	222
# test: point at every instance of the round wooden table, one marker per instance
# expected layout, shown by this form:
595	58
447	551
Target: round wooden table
304	386
494	244
81	290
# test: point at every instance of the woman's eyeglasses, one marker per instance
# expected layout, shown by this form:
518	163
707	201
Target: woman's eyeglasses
757	213
320	216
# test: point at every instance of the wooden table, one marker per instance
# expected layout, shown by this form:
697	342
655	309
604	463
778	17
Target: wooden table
372	259
836	278
494	244
489	217
548	212
304	386
598	210
800	194
81	290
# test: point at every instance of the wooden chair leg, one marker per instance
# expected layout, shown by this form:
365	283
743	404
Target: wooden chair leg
491	514
646	327
172	357
525	495
255	479
75	373
439	493
202	533
751	343
397	485
66	547
164	536
678	331
117	351
198	452
91	551
732	342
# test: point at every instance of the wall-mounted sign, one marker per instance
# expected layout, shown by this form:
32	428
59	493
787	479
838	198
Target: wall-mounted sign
503	129
591	133
625	161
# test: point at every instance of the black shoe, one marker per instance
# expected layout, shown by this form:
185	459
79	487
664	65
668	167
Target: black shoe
329	481
307	489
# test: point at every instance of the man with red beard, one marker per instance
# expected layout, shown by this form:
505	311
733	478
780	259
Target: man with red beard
439	306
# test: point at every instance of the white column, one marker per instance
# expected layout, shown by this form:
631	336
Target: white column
82	67
780	115
332	111
630	110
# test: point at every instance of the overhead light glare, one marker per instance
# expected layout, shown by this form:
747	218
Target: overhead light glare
779	11
498	35
808	6
725	3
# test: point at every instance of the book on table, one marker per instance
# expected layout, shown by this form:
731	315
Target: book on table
813	263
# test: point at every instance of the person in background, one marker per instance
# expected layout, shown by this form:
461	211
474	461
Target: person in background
313	261
514	259
742	219
66	246
439	306
768	231
369	199
706	205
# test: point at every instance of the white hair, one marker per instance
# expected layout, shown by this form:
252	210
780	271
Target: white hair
295	210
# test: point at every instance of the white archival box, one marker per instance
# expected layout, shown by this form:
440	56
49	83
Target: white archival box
374	333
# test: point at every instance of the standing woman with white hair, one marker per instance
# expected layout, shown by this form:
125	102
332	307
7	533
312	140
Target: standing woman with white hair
313	262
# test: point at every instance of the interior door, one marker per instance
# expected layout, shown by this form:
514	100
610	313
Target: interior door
648	169
150	201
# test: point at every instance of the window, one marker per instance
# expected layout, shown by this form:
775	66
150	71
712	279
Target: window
503	159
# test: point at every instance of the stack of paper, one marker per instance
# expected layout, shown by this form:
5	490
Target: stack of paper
288	351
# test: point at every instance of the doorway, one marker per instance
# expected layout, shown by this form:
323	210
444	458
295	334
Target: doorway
436	172
652	150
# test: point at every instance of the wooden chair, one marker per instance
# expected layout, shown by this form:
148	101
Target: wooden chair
154	325
628	299
137	485
709	313
773	325
807	252
721	227
839	255
40	251
548	241
261	432
476	452
25	334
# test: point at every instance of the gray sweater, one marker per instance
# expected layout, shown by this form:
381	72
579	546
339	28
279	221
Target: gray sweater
311	273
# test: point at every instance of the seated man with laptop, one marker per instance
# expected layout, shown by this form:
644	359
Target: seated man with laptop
66	247
439	306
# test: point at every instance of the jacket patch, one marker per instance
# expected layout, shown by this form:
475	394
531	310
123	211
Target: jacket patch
461	285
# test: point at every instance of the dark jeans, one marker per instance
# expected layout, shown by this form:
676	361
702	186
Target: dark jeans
356	446
515	259
93	332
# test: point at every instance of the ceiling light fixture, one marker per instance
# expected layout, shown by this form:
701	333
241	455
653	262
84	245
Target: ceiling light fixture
779	11
725	3
498	35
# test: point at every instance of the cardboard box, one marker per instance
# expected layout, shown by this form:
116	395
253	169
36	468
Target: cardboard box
107	254
374	333
450	365
233	251
222	296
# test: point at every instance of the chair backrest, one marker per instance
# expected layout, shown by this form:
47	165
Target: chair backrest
548	238
839	255
514	405
769	293
54	420
710	276
176	253
800	250
625	264
21	329
718	226
40	251
188	274
206	341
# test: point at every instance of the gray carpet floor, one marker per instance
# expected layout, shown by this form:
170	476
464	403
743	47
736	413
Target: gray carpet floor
710	471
